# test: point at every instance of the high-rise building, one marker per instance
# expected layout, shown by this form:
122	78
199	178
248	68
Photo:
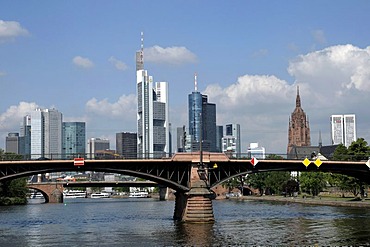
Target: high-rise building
152	113
46	134
126	145
95	146
299	130
25	137
202	121
73	139
12	143
219	135
343	129
181	139
231	140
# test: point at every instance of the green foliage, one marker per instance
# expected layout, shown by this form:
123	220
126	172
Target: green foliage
358	150
274	157
13	192
312	182
9	156
231	184
268	182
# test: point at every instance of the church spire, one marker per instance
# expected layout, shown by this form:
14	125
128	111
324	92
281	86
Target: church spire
298	99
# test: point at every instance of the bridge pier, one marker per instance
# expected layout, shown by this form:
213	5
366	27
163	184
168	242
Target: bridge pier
53	193
195	206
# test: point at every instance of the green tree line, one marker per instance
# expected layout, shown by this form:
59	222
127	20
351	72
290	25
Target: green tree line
14	191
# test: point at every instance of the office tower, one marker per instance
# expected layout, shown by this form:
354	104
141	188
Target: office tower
181	139
299	130
12	143
202	121
152	113
73	139
126	145
25	137
95	146
46	134
231	142
255	151
219	135
343	129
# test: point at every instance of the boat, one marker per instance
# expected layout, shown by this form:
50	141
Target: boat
139	194
74	194
100	195
36	195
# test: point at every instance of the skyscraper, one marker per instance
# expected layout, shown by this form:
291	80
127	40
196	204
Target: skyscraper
96	145
25	137
343	129
231	141
152	112
126	145
299	130
202	121
74	139
46	134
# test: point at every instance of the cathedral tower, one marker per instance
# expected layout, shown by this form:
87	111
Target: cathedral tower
299	129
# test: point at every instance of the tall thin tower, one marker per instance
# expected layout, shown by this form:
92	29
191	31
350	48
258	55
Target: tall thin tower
152	112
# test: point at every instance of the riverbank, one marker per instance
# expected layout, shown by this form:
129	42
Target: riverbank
325	201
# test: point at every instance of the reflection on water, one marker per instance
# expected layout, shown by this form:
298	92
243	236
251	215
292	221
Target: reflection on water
148	222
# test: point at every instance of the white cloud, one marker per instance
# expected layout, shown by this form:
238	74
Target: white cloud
117	63
125	106
336	68
10	30
170	55
10	120
2	73
83	62
334	80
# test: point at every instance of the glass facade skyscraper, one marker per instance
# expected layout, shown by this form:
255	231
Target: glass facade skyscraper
202	123
74	139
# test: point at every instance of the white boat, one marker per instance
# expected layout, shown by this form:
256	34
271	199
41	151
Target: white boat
74	194
100	195
36	195
139	194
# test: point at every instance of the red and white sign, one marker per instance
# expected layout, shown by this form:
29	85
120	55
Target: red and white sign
254	161
79	161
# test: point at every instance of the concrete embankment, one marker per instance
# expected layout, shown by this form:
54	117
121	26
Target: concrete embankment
325	201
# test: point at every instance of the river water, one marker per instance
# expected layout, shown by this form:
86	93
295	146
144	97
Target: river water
148	222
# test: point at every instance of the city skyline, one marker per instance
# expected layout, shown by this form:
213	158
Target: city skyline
249	57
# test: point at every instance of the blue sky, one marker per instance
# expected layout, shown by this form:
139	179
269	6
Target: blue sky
79	57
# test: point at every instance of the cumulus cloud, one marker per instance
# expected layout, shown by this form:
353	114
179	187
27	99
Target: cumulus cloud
170	55
83	62
10	120
117	63
10	30
126	105
336	68
334	80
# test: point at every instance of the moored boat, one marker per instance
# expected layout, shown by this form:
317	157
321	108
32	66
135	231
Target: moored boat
139	194
74	194
100	195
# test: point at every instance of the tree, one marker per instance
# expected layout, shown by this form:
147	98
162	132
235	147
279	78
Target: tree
257	181
312	182
358	150
275	182
13	191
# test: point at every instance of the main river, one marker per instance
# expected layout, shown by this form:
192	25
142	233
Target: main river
148	222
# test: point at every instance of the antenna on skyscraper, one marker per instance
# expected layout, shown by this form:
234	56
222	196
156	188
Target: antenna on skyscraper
195	82
142	49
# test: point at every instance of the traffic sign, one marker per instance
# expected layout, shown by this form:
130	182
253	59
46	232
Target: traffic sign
368	163
79	161
254	161
306	162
